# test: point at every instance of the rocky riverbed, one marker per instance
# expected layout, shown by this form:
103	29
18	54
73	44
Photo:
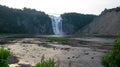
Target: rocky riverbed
80	52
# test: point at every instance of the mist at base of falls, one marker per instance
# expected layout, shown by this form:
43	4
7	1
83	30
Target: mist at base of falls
56	25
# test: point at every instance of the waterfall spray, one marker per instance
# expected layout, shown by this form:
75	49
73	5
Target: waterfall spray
56	24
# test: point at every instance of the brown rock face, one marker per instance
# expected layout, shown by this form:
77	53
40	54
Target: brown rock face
107	23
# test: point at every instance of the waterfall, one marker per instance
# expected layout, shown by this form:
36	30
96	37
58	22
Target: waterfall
56	24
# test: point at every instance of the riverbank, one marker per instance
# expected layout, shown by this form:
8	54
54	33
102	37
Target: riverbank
80	52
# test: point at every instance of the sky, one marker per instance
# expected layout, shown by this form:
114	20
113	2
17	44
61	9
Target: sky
56	7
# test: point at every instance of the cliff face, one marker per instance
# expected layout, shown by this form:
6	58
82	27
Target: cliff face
108	23
30	21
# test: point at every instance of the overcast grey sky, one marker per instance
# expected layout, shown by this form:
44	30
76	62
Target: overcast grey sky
62	6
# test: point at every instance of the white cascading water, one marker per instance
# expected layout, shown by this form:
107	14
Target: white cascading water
56	24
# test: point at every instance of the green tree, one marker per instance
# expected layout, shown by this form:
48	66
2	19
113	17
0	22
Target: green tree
112	59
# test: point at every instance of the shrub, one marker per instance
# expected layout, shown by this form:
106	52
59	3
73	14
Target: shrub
112	59
4	54
47	63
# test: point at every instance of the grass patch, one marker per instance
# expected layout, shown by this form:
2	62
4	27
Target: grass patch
2	34
4	54
57	39
16	35
47	63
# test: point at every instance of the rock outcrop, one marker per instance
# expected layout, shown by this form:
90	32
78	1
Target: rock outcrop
108	23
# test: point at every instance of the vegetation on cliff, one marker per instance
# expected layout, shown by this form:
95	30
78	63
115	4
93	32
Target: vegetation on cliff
24	20
31	21
117	9
72	22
